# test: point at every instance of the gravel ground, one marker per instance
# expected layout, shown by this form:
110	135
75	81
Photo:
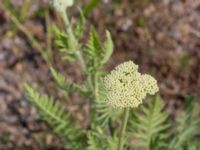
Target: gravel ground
162	37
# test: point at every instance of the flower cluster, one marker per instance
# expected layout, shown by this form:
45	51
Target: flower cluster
126	87
61	5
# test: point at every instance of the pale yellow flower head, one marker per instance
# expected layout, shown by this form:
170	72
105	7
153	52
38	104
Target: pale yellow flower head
126	87
61	5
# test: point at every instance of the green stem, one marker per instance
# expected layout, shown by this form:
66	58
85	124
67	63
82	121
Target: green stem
93	85
66	21
111	129
81	60
76	46
96	86
123	129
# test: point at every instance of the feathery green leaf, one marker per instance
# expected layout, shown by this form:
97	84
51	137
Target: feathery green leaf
98	140
107	48
105	112
186	131
66	85
150	126
53	113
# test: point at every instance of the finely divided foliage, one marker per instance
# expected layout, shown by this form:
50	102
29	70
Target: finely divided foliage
96	54
65	85
148	125
186	134
97	140
105	113
63	42
53	113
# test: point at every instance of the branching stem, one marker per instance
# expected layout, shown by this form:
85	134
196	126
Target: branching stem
71	33
92	82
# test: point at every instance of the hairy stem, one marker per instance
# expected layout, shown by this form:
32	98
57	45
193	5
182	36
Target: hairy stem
76	46
123	129
92	82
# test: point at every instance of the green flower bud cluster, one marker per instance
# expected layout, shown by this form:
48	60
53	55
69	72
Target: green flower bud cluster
126	87
61	5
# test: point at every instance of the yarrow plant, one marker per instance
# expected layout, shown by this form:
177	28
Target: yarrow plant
126	88
110	96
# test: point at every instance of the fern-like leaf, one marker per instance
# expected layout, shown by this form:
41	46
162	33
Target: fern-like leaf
96	54
80	25
149	126
92	50
104	111
98	140
66	85
66	44
107	48
54	114
187	131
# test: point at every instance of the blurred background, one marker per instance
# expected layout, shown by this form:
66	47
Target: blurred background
162	36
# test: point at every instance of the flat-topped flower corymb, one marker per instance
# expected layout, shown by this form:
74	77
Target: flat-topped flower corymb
126	87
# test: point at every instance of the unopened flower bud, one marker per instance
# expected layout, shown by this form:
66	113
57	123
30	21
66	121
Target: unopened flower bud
61	5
